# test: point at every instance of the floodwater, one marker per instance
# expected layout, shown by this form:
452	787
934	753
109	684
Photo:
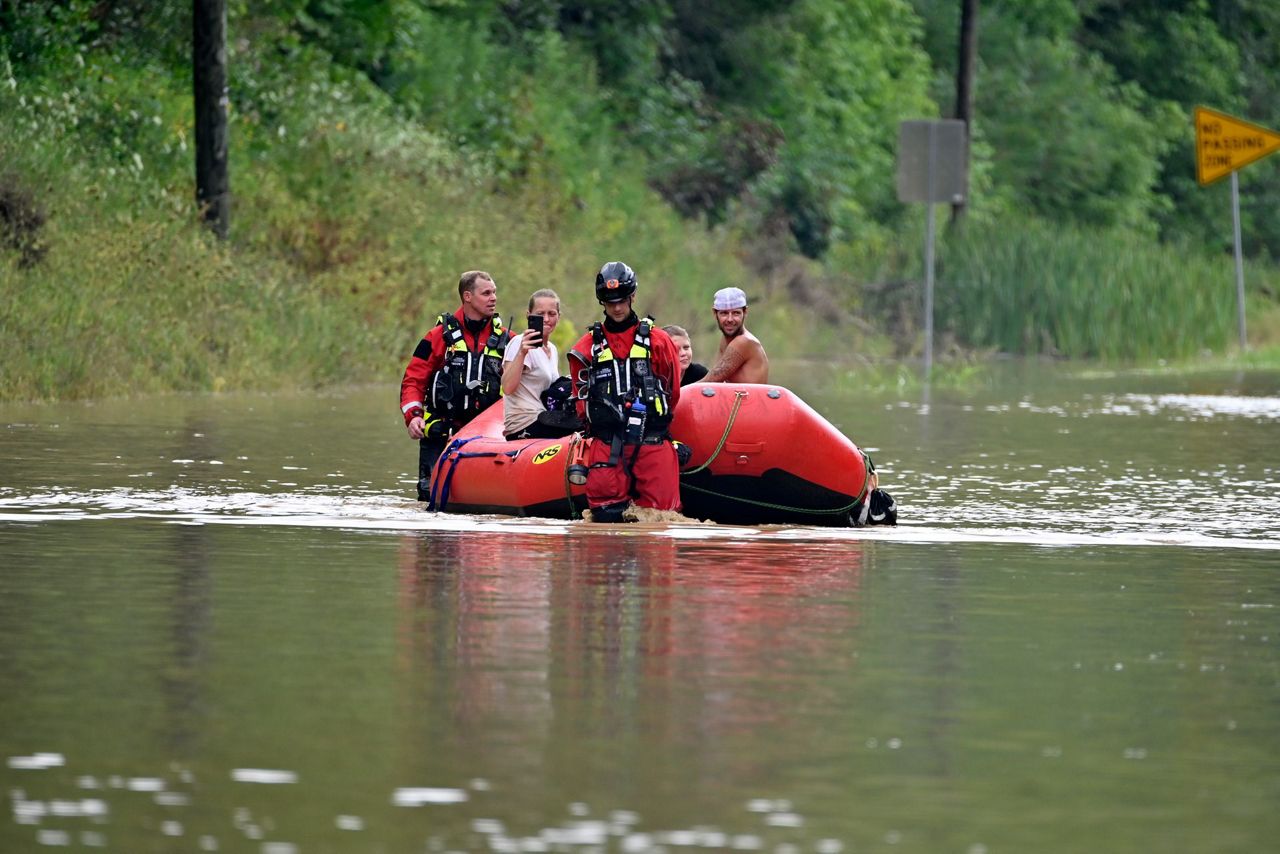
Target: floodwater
223	627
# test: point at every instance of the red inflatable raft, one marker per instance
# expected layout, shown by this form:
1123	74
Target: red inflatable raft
760	455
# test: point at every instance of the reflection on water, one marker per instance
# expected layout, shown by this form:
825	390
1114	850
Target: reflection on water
224	628
448	691
568	664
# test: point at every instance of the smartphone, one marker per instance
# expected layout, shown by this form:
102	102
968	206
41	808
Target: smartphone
535	324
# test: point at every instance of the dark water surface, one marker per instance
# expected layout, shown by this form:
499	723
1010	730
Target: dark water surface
224	628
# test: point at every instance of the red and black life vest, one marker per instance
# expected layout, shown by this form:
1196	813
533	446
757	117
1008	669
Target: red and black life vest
615	384
469	381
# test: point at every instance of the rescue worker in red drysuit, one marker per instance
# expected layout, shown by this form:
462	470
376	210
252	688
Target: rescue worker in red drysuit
619	367
455	373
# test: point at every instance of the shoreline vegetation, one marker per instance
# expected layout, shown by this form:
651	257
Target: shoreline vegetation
356	204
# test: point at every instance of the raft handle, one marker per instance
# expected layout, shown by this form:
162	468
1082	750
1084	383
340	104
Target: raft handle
724	437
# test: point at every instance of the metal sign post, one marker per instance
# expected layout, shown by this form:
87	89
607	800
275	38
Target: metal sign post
1235	222
931	169
1226	144
928	279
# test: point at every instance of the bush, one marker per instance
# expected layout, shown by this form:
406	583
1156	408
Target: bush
21	219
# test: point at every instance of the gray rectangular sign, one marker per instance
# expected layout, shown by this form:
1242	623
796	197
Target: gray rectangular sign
931	159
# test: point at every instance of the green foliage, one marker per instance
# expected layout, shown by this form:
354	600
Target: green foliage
1087	108
703	160
22	220
837	79
705	42
356	33
35	33
531	111
140	301
1252	25
1172	50
1100	163
380	147
1175	53
1082	293
45	35
624	37
349	230
129	294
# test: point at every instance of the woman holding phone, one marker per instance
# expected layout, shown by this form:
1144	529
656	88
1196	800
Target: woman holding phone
530	365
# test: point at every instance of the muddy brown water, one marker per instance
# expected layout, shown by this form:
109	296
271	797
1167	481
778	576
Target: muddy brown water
224	627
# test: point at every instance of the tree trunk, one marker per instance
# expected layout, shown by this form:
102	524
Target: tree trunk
964	89
209	75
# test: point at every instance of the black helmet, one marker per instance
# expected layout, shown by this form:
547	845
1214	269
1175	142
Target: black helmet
615	282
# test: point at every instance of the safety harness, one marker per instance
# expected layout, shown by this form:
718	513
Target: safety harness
468	381
627	404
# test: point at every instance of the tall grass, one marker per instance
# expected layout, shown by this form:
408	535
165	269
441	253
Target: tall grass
1035	288
350	226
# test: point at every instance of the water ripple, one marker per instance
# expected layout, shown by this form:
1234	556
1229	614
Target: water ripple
978	505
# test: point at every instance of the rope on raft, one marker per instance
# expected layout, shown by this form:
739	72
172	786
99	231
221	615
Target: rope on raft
733	414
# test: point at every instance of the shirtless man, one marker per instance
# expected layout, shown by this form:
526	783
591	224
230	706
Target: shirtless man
742	358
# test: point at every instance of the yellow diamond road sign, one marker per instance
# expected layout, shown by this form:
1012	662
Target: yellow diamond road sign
1225	144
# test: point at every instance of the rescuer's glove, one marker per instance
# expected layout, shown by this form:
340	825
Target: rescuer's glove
683	452
434	427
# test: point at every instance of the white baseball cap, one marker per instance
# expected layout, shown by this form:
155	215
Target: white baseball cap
727	298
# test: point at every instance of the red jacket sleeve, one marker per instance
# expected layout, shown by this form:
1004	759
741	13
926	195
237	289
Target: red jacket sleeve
425	361
666	363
